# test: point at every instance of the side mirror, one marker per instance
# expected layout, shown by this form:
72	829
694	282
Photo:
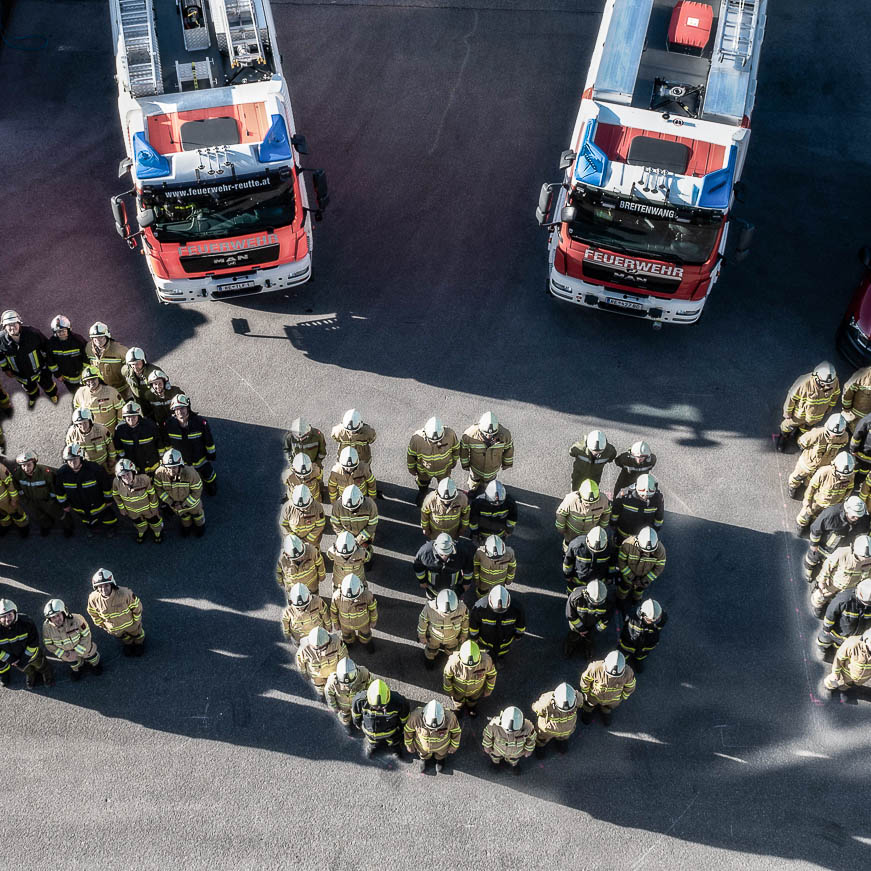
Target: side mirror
745	238
299	143
865	256
567	215
124	166
545	201
740	191
567	159
145	218
119	213
322	193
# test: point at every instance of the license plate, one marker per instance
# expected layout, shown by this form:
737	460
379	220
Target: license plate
236	285
624	303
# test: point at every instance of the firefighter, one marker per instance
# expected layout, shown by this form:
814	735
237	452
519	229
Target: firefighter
24	356
856	398
493	512
849	613
135	497
431	732
348	558
108	356
137	438
493	563
179	487
485	448
469	676
590	458
808	401
590	557
5	405
304	471
431	455
83	489
508	737
638	460
66	353
93	438
318	655
557	713
357	514
496	622
639	505
306	439
135	372
190	434
305	611
158	400
68	637
36	490
819	446
443	625
103	401
11	511
381	715
300	562
829	485
860	445
354	612
303	516
846	568
342	685
641	561
445	509
588	611
118	611
852	665
640	632
353	433
443	564
835	526
582	510
350	469
605	684
20	648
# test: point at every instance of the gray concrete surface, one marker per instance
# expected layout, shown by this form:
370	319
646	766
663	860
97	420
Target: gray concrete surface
437	123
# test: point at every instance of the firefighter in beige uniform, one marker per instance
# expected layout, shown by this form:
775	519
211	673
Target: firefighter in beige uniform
640	561
342	685
469	676
432	454
485	449
829	485
348	559
856	398
852	665
357	514
350	469
431	732
443	625
300	563
819	446
809	400
108	357
306	439
103	401
68	637
305	611
318	655
180	487
445	509
118	611
136	498
353	433
557	714
304	471
508	737
494	564
581	510
304	516
11	511
354	612
605	684
845	569
93	438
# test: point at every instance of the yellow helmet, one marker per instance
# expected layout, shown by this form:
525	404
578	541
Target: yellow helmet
378	693
589	490
470	653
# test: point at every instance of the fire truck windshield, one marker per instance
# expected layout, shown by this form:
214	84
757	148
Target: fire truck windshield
219	210
648	231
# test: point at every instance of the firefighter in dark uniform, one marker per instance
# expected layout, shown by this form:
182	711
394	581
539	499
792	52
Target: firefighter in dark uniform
496	622
189	433
20	648
303	438
639	505
849	613
493	512
590	557
66	353
137	438
640	632
24	357
381	715
588	611
860	444
84	489
836	526
36	490
444	564
638	460
158	401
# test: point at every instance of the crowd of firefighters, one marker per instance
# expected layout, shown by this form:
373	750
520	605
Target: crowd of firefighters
611	554
831	477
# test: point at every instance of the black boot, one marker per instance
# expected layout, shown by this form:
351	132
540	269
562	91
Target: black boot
428	664
97	669
24	531
562	746
185	531
421	494
200	531
75	674
586	717
606	718
516	770
638	665
212	487
540	751
45	530
794	490
570	645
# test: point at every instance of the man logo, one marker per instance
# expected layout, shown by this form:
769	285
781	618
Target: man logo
230	261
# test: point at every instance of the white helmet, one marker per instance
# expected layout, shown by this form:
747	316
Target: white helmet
855	506
498	598
10	316
615	662
346	670
640	449
351	586
443	544
7	606
318	637
134	354
302	464
433	714
825	372
446	602
299	595
54	606
71	451
844	463
446	489
596	440
300	427
862	546
345	544
294	546
349	458
495	492
863	591
352	498
647	538
589	490
488	423
124	465
511	719
596	592
301	496
60	322
171	459
565	697
597	539
80	415
651	609
102	576
646	486
351	420
26	457
494	546
158	375
98	329
836	423
433	429
131	409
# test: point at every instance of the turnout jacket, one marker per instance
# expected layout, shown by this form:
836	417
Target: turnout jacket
435	574
461	681
382	723
588	467
66	359
361	439
110	362
137	383
119	613
853	661
194	440
69	641
489	571
831	528
630	513
139	443
104	403
575	517
847	615
449	630
187	489
306	523
298	620
8	491
808	402
553	720
361	522
639	638
856	399
860	443
433	459
437	516
87	491
582	565
608	690
313	444
314	481
630	469
492	518
37	490
502	744
96	445
339	478
352	564
307	569
138	499
19	643
359	614
339	696
159	405
640	567
27	357
484	456
843	570
584	616
819	447
318	665
493	630
432	740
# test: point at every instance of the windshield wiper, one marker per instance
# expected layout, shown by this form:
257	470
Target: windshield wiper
667	255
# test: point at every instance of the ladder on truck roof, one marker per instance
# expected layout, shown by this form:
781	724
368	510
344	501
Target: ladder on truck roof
140	44
237	30
736	34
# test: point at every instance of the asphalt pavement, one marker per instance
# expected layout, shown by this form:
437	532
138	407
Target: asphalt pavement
437	124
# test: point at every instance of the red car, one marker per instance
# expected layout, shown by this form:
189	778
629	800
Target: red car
853	338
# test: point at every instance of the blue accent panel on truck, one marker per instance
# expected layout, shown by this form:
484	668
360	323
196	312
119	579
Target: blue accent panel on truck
147	162
621	54
716	188
276	145
592	165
